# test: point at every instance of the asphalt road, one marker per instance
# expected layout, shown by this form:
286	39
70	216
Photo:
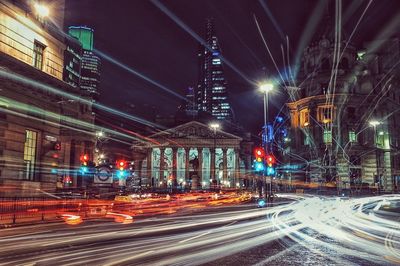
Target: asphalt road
306	231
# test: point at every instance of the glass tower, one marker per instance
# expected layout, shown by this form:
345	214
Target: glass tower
90	67
212	96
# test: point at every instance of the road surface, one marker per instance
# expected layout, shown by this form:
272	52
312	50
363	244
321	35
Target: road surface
307	230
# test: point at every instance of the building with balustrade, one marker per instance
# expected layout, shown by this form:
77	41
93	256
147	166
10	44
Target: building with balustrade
345	114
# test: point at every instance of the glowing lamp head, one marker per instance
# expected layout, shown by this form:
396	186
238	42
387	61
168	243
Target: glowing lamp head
41	10
266	87
374	123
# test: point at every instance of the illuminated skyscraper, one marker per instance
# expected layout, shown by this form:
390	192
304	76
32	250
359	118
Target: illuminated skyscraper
90	67
212	96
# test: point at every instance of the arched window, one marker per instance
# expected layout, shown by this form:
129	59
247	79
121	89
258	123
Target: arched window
325	64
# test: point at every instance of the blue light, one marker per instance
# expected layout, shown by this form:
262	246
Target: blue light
121	174
215	53
84	169
270	171
259	166
261	203
54	171
279	119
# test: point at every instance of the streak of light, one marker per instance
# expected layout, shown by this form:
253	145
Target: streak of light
272	18
342	231
132	71
47	88
186	28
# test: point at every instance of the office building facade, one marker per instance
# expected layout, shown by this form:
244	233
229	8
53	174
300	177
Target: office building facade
212	94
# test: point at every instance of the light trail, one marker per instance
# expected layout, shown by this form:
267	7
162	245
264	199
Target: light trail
186	28
136	73
332	229
44	87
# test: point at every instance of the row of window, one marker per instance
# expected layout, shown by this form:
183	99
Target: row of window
327	137
325	114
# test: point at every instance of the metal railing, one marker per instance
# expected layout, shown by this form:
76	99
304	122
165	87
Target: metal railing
15	210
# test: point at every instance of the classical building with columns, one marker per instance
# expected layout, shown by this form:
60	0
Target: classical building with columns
192	156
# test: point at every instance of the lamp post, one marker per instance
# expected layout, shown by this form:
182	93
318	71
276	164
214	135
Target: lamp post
214	127
266	88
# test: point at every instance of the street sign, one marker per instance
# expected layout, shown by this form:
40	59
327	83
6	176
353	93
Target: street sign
103	176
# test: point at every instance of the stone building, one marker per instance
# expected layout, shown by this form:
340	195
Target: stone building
193	155
345	115
44	123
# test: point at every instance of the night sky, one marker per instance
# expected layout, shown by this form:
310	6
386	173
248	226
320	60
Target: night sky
138	34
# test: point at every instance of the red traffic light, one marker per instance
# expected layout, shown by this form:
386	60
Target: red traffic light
57	146
270	160
259	154
84	159
121	164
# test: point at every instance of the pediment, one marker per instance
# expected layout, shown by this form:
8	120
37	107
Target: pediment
194	129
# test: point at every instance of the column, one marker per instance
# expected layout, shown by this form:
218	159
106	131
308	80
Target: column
149	166
237	167
212	167
138	170
162	149
200	170
224	164
187	163
174	166
138	167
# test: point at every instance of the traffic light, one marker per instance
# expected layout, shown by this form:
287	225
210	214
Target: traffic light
57	146
121	165
270	160
84	163
259	154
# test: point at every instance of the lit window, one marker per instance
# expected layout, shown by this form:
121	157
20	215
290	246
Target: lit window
38	50
352	136
380	139
216	61
30	153
307	139
327	136
325	114
304	117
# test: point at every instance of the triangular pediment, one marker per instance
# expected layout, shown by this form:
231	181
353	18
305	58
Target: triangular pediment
194	129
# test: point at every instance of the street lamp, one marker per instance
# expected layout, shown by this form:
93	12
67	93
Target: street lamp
374	123
41	10
266	88
214	127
